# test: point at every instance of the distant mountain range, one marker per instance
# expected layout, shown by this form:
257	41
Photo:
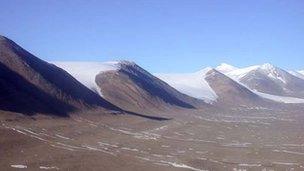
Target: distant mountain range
30	85
267	81
224	84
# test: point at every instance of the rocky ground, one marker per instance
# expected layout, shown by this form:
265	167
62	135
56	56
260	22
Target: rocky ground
240	139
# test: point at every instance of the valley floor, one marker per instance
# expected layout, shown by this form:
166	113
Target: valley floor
238	140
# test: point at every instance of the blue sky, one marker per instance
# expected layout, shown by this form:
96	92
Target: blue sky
160	35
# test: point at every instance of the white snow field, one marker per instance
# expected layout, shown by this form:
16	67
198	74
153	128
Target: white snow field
85	72
192	84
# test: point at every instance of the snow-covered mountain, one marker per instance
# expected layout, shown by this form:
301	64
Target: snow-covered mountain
128	86
266	69
269	79
230	92
266	81
211	86
253	79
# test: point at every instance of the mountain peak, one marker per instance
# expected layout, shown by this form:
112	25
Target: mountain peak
268	66
273	72
226	65
223	67
204	71
4	39
126	62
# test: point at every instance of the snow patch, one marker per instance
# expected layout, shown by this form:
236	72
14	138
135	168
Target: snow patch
63	137
285	163
237	145
181	165
236	169
289	152
48	168
250	165
19	166
129	149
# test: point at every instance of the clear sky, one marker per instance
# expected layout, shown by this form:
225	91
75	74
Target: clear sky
160	35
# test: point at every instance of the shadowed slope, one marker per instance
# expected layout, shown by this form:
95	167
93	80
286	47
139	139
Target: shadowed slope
18	95
48	78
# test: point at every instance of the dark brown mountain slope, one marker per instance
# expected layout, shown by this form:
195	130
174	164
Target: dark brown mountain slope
230	92
132	88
